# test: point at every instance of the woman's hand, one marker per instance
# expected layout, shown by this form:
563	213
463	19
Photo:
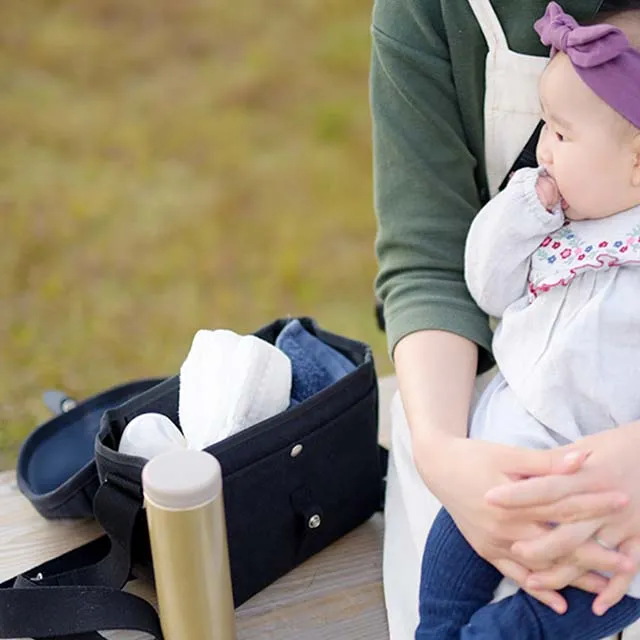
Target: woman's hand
611	469
461	474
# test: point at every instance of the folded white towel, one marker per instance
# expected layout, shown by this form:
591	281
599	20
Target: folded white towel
204	397
228	383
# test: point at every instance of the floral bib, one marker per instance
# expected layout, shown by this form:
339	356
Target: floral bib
585	244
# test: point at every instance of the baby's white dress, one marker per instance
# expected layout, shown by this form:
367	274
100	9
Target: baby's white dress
568	342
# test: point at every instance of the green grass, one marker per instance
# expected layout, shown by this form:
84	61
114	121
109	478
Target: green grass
168	166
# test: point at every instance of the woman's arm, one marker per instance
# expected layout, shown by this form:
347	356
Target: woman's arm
425	190
436	373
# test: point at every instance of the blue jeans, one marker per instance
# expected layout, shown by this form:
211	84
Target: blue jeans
457	586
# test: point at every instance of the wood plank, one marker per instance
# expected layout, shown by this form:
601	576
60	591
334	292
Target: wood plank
27	539
335	594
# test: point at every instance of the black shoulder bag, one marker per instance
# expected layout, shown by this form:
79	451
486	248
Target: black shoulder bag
336	481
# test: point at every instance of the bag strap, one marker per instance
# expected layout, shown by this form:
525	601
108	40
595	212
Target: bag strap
74	595
73	613
527	157
116	511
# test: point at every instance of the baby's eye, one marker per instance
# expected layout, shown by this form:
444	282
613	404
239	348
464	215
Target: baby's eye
559	137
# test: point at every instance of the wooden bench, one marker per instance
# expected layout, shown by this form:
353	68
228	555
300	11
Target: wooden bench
335	594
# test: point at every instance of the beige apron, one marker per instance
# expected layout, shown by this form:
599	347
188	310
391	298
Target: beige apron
512	111
511	104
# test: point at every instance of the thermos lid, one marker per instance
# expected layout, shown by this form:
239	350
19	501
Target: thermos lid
182	479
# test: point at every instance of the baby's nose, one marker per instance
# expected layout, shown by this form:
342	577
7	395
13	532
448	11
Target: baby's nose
544	155
543	151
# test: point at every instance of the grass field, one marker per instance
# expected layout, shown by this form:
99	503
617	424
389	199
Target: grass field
168	166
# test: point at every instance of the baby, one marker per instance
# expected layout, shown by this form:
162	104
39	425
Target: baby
556	256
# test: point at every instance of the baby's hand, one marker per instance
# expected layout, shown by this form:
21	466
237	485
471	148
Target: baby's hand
547	191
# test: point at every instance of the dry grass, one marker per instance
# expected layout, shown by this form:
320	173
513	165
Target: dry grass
168	166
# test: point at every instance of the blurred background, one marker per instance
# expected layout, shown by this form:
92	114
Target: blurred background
174	165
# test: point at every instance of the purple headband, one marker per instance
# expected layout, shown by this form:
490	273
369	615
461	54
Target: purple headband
601	55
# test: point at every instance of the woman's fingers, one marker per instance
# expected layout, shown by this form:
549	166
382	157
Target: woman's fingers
556	578
552	599
579	543
580	566
619	583
512	570
630	547
534	492
575	541
563	576
568	461
558	543
615	591
573	508
591	582
525	463
594	557
519	575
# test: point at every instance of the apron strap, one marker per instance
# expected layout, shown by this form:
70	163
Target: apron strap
489	23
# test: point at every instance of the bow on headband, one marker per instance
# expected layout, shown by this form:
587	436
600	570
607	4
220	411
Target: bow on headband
601	55
585	46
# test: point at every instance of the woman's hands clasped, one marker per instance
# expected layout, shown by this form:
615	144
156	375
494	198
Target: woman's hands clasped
587	539
465	471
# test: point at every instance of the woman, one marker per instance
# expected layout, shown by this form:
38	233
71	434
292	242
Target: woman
454	99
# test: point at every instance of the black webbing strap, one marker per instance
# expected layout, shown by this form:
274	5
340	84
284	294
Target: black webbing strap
73	596
73	613
527	157
117	511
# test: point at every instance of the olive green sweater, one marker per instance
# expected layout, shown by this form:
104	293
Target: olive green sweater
427	93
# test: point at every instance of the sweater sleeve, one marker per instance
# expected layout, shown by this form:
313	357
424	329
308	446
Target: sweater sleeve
425	193
501	241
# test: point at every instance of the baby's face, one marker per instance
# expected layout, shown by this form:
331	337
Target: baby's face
585	145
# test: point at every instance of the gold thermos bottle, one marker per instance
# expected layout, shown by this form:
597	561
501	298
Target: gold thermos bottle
185	513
